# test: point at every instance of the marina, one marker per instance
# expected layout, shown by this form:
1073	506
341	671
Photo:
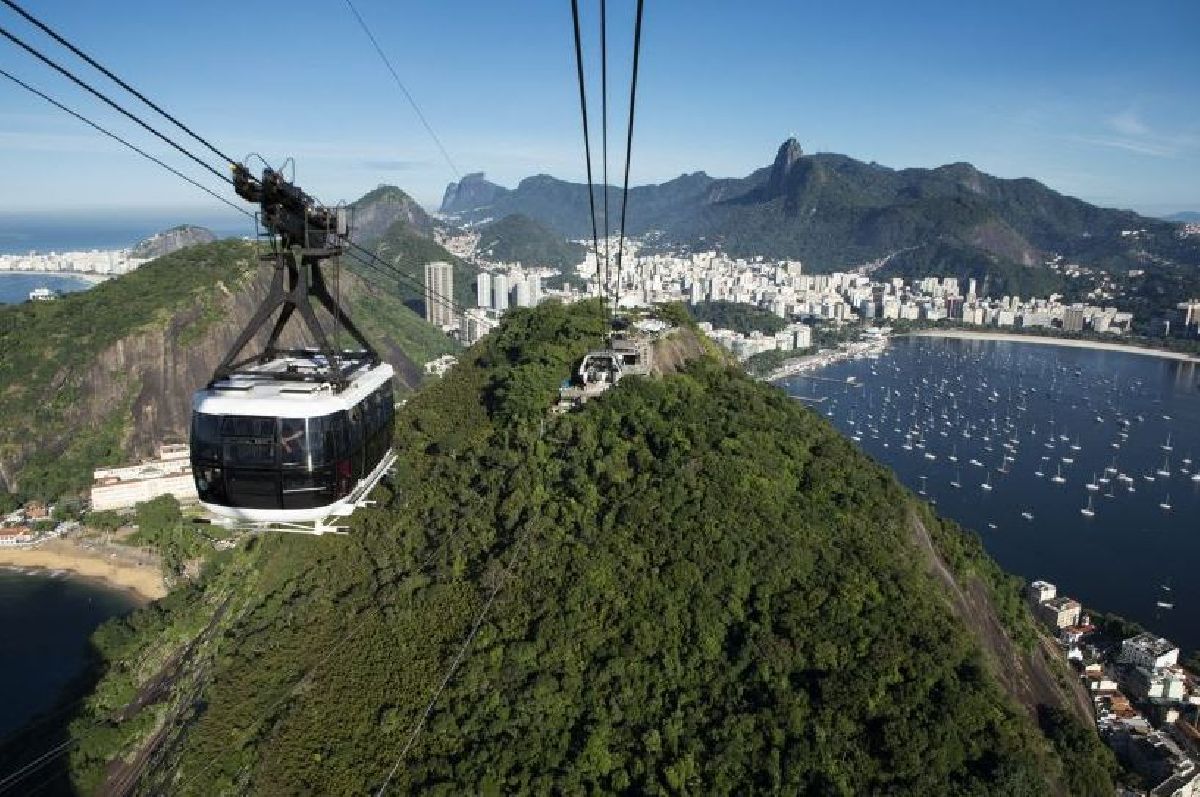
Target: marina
1080	461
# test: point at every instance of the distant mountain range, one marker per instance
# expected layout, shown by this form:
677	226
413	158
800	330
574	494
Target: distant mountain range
1184	216
834	212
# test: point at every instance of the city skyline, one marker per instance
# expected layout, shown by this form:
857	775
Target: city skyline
1090	99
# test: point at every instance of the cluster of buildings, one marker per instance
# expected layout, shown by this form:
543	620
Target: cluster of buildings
31	523
96	261
744	346
782	287
168	474
1147	707
497	289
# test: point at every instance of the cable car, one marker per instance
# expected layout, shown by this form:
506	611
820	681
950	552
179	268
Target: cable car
291	455
288	439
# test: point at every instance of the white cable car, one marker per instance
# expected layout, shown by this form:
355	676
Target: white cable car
290	439
291	456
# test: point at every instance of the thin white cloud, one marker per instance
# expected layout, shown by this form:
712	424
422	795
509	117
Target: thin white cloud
1156	150
1129	124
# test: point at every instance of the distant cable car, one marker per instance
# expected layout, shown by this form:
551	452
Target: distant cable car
289	439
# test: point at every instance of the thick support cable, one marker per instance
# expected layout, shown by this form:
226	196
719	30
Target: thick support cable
54	35
604	135
112	104
637	47
587	146
122	141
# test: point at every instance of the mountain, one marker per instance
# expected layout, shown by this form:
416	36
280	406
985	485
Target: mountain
1184	216
378	210
172	240
472	191
520	239
693	584
834	212
103	376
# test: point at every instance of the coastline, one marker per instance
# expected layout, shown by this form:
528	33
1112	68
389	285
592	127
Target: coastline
144	580
86	276
964	334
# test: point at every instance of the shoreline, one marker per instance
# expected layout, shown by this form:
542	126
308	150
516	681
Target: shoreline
86	276
144	580
1046	340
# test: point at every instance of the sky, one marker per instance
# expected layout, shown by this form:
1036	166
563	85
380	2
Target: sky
1097	99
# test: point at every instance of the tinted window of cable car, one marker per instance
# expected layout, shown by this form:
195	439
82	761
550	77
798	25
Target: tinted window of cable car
249	440
206	437
324	435
293	441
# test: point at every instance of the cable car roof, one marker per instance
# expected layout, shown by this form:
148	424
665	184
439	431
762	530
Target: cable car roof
268	395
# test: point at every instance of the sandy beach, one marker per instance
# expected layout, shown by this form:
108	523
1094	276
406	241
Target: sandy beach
86	276
964	334
144	579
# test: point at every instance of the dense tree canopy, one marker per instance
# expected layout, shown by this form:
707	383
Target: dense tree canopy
700	587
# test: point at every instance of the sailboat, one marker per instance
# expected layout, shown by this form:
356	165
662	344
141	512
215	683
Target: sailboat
953	454
1093	485
987	484
1027	515
1167	445
957	476
1166	503
922	490
1165	470
1089	510
1058	478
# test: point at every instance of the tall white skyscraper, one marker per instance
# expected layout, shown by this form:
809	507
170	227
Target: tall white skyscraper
500	292
483	289
439	292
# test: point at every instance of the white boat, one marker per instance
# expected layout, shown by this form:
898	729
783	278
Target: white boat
1089	510
987	482
1166	503
1058	478
1164	605
1027	515
1093	485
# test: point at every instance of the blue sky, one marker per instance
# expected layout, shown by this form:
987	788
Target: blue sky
1097	99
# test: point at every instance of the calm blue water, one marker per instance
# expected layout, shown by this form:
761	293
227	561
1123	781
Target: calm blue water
970	399
15	288
45	623
71	232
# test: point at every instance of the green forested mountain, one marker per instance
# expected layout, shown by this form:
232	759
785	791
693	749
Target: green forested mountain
101	376
520	239
692	585
832	211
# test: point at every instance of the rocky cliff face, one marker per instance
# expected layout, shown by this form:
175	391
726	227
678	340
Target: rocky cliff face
172	240
145	380
473	191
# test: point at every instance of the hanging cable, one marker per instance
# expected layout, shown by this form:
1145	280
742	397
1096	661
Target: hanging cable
604	134
404	89
637	47
587	147
122	141
100	96
458	657
54	35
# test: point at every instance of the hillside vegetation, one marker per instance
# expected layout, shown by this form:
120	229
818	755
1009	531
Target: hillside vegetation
520	239
692	585
97	377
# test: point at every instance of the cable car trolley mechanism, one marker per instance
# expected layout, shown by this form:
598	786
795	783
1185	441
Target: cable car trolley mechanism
290	439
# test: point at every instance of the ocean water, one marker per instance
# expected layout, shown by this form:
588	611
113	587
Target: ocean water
15	288
21	233
1020	410
45	623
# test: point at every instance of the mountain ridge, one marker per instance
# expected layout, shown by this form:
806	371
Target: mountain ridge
835	212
